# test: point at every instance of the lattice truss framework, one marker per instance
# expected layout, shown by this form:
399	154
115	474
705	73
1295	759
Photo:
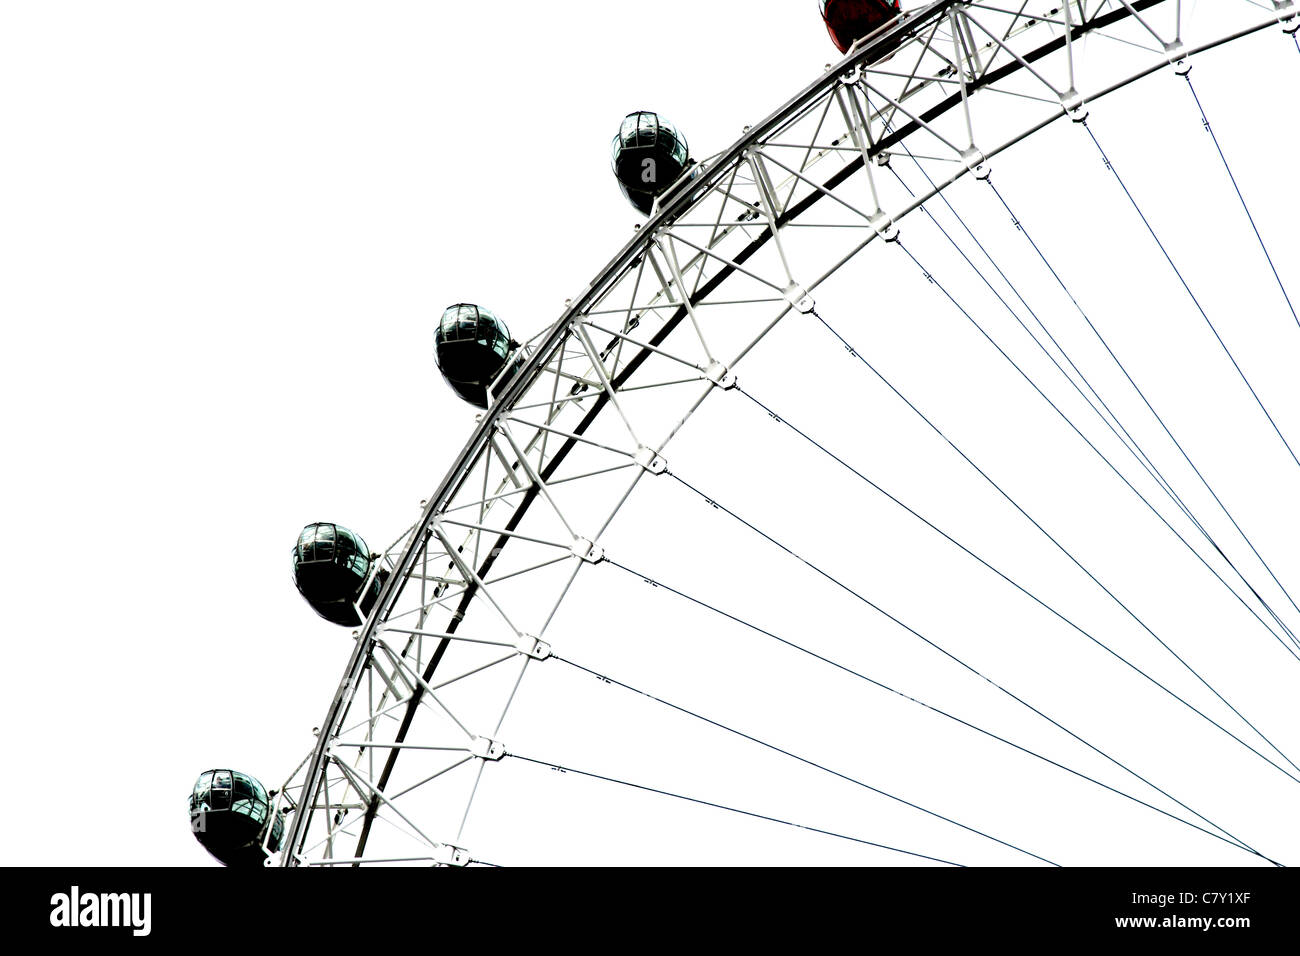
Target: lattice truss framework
726	255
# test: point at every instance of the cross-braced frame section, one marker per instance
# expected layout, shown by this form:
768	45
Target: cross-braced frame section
418	715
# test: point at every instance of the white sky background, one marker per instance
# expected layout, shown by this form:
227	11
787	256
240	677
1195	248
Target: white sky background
226	231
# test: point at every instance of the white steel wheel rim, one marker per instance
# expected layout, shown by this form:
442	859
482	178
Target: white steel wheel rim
507	485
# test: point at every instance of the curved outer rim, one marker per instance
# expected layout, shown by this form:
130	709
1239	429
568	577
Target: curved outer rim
628	256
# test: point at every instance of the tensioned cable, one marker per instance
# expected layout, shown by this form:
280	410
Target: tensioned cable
1130	444
1020	227
1032	384
804	760
826	451
1127	440
1230	839
1242	199
1281	287
1142	458
880	610
1106	161
1136	450
981	472
858	355
562	768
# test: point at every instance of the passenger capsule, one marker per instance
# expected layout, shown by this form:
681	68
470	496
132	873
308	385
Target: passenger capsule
648	155
332	570
848	21
230	814
473	350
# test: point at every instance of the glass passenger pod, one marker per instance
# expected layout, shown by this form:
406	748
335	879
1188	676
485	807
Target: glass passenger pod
648	155
848	21
473	349
332	571
231	816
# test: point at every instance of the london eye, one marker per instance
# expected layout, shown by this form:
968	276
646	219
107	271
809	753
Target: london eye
699	477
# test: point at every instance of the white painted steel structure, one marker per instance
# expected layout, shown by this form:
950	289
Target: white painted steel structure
415	719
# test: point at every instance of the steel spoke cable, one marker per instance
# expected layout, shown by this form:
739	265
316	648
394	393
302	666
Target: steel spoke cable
1242	199
826	451
1230	839
915	633
1020	227
1281	287
804	760
1196	302
1127	439
1032	384
858	355
562	768
1130	444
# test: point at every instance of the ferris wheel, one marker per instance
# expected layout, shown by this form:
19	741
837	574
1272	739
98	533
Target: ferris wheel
454	621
